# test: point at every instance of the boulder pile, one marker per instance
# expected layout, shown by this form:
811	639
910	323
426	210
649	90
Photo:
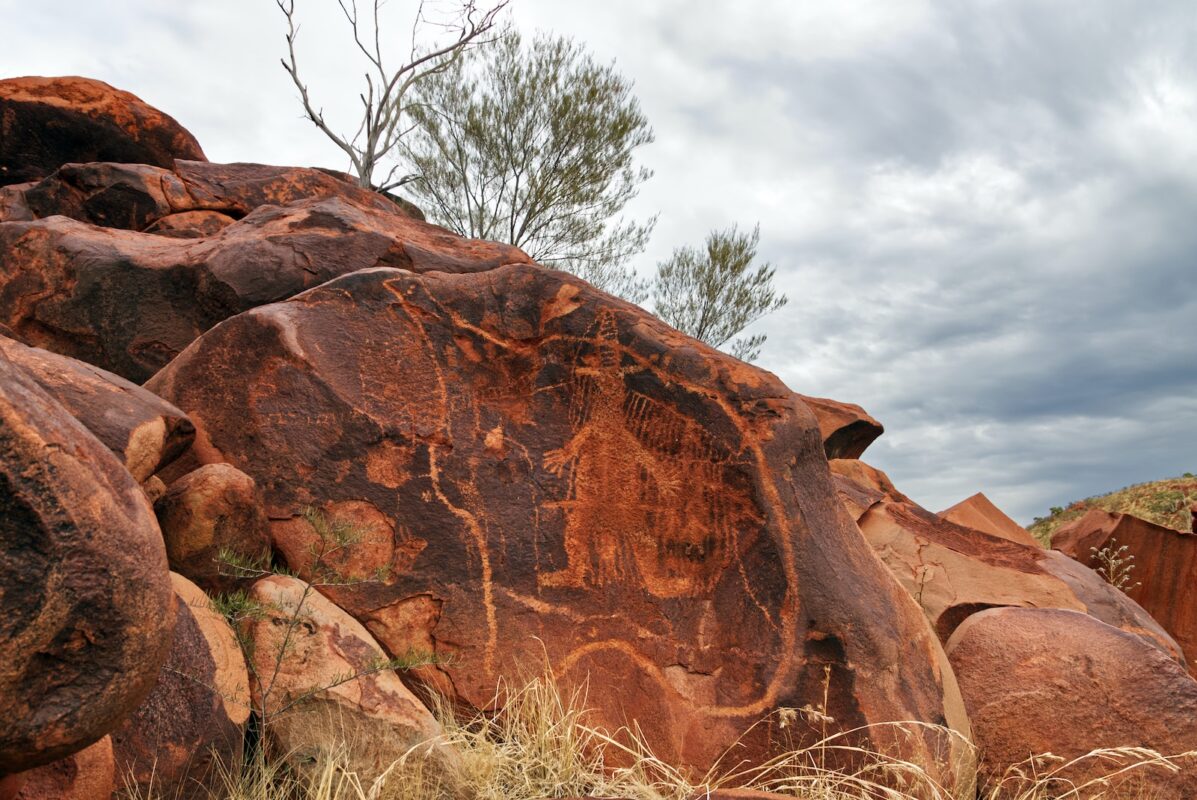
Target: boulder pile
472	469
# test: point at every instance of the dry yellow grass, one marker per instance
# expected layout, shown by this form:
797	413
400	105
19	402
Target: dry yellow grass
539	746
1165	502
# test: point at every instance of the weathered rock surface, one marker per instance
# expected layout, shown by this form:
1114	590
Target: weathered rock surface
1053	681
48	122
140	197
83	582
143	430
1164	567
544	470
215	509
129	302
858	486
89	774
375	712
195	716
846	428
954	572
979	513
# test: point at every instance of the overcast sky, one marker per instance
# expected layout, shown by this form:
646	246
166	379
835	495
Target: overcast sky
984	213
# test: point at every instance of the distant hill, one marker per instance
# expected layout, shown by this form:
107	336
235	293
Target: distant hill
1166	502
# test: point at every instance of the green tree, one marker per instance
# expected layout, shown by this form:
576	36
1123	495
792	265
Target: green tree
712	293
533	145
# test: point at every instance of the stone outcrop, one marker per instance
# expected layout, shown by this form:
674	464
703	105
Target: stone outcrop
846	428
309	703
1053	681
215	510
48	122
954	572
140	197
979	513
130	302
195	717
144	431
541	470
87	605
1165	563
89	774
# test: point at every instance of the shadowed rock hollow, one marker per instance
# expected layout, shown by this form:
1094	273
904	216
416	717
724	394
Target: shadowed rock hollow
547	472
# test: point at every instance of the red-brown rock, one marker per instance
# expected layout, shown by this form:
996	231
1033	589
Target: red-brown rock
1052	681
1164	567
89	774
859	486
954	572
846	428
144	431
545	471
191	224
48	122
83	582
214	510
310	707
140	197
979	513
195	717
130	302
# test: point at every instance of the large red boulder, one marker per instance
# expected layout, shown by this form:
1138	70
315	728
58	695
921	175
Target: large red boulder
954	572
215	528
48	122
1161	576
130	302
88	611
193	722
144	431
1040	681
533	470
846	428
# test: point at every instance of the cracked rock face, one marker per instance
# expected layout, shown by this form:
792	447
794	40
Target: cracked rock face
129	302
954	572
88	611
48	122
533	469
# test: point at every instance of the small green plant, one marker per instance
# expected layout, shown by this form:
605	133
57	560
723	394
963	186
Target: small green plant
1057	510
1115	565
333	538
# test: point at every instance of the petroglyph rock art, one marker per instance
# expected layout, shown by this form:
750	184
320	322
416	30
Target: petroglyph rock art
129	302
543	471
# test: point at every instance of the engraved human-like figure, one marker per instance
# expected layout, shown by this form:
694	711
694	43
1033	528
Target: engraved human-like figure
617	484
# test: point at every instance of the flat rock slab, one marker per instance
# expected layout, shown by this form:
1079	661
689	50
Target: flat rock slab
954	572
544	472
